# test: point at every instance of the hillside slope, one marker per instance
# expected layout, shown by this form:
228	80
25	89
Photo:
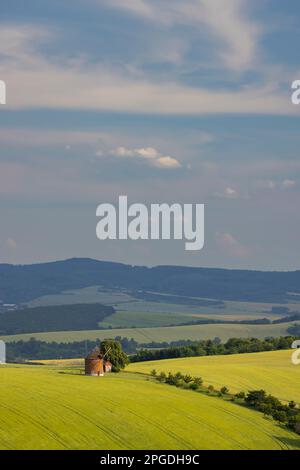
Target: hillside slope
44	409
272	371
23	283
54	318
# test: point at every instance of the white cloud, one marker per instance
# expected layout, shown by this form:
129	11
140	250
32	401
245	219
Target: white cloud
225	21
272	185
149	154
35	81
288	184
167	162
230	192
231	246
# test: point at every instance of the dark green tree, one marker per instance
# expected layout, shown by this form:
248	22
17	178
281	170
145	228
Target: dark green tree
112	350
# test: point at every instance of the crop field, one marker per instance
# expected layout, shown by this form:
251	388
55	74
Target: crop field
131	311
272	371
48	407
92	294
149	319
139	319
146	335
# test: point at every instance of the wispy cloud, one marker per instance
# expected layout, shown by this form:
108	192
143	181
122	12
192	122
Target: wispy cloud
34	80
228	193
233	33
288	184
231	246
148	155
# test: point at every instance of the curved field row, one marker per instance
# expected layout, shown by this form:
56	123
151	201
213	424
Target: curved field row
272	371
160	334
47	408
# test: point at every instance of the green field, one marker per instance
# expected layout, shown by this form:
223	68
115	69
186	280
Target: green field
131	311
150	319
45	407
146	335
272	371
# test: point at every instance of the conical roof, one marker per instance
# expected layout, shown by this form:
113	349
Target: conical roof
94	354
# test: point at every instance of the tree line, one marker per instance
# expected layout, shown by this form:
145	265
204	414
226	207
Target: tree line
34	349
215	347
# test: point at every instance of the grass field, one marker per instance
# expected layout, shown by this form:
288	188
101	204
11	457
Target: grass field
131	311
272	371
150	319
146	335
44	407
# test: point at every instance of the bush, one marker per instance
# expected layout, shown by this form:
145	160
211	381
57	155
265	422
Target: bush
255	397
187	379
194	386
280	416
198	381
297	428
162	377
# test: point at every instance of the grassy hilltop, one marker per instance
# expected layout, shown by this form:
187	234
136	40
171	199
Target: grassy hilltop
48	407
272	371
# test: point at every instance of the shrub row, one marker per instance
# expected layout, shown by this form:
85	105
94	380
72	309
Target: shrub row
288	415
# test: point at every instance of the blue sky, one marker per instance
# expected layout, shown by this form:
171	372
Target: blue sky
182	101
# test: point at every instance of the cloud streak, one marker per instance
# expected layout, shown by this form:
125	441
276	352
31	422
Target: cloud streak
148	155
231	246
234	34
35	80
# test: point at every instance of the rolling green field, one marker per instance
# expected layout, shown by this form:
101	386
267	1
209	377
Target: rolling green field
44	407
146	335
131	311
272	371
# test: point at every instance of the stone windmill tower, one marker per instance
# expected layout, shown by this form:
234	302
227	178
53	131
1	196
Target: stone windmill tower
96	364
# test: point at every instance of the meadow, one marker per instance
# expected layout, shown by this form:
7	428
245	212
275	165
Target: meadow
160	334
272	371
53	407
132	311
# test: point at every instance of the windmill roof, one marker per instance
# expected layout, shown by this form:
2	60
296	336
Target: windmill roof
94	354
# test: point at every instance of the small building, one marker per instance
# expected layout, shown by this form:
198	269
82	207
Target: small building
107	366
95	364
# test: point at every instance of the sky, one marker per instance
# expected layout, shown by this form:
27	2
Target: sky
182	101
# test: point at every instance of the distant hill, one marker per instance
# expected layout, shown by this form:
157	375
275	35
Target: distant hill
55	318
26	282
